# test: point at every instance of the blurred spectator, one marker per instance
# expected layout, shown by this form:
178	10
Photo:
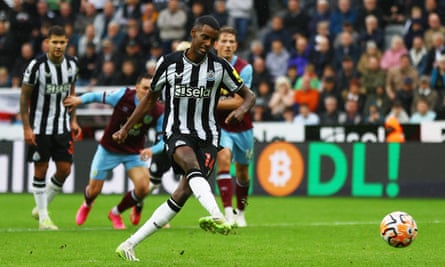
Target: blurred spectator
20	25
438	76
40	36
321	32
424	91
171	23
282	97
288	115
331	115
160	4
418	55
354	92
322	14
131	35
396	76
435	52
114	34
108	53
393	11
348	28
423	112
347	48
263	11
128	73
66	15
405	94
103	19
260	73
44	15
305	116
292	74
220	12
398	112
372	32
391	57
372	76
20	63
133	53
196	10
261	111
434	26
129	9
73	38
373	115
327	89
322	55
434	6
150	66
353	116
369	8
156	51
309	71
371	50
307	95
240	14
149	13
87	65
256	50
394	131
277	31
86	17
346	74
108	75
5	81
413	27
341	14
295	19
300	55
88	37
379	100
277	59
149	35
7	46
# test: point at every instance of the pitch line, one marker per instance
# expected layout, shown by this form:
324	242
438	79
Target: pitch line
284	225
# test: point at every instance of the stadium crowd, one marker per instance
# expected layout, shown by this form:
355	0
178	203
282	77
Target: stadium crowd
315	62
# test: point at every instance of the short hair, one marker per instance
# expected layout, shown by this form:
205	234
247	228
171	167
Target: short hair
143	76
56	30
207	20
227	29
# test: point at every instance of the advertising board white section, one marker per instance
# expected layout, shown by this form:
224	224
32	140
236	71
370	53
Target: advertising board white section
432	132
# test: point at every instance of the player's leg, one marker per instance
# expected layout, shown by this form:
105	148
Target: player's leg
223	176
160	217
242	154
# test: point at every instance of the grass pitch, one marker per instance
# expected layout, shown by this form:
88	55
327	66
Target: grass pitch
292	231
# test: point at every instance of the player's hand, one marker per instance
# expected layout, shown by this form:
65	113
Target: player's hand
145	154
71	102
30	137
120	136
76	131
235	116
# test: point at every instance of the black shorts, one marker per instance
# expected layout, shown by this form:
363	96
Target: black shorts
57	147
205	152
160	164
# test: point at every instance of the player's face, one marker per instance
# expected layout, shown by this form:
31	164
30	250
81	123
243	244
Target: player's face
57	46
226	45
143	88
203	39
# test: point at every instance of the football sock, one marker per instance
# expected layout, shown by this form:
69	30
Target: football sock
88	200
224	181
38	188
162	215
53	188
129	200
242	191
203	193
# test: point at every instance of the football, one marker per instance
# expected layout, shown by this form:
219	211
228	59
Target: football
398	229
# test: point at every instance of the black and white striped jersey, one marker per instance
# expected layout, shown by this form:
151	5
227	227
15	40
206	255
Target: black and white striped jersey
52	83
191	93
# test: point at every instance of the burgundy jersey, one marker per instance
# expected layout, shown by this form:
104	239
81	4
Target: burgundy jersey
221	115
136	135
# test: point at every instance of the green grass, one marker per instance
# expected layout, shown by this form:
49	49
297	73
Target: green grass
294	231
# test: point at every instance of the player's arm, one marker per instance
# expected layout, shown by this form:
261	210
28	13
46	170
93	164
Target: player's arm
158	147
230	103
75	128
145	105
25	96
249	99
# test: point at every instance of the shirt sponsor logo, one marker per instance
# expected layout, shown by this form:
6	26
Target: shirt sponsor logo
56	88
189	91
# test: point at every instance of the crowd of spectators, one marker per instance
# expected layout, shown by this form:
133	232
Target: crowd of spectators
315	61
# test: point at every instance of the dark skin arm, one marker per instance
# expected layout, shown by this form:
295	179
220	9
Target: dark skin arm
143	108
25	96
249	99
230	103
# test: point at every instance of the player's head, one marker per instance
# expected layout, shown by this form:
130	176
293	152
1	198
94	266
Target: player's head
204	34
226	44
143	85
57	42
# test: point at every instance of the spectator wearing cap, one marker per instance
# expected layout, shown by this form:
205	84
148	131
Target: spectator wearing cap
372	76
396	76
405	95
438	76
342	13
391	56
424	91
371	50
